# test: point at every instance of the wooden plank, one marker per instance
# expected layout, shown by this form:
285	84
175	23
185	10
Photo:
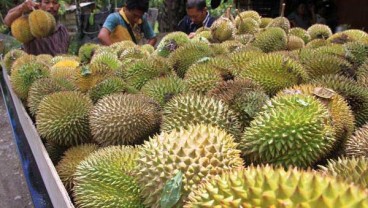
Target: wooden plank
55	188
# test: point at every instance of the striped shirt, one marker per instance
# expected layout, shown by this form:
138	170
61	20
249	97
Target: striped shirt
186	25
55	44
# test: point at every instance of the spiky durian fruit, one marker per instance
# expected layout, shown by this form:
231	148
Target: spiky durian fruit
185	110
246	25
356	52
23	77
280	22
339	110
104	179
86	52
222	29
198	152
163	89
124	119
105	63
355	94
351	170
274	72
238	60
362	74
20	29
62	118
248	14
244	38
84	78
71	158
231	45
265	21
64	69
120	47
140	72
204	34
269	187
332	49
147	48
43	87
271	39
349	36
200	78
11	57
22	60
290	130
244	97
56	59
357	145
316	43
133	53
317	64
301	33
109	86
180	60
171	42
45	59
294	43
223	65
42	23
319	31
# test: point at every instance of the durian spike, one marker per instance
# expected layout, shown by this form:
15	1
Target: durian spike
282	10
230	15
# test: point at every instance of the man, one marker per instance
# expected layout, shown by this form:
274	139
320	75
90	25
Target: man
128	24
56	43
197	16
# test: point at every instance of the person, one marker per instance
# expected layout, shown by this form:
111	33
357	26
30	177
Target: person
301	18
56	43
128	24
197	16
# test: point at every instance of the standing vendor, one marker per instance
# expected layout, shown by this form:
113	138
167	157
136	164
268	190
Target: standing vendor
128	24
56	43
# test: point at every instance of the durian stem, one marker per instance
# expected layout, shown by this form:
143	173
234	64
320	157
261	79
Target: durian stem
282	10
238	13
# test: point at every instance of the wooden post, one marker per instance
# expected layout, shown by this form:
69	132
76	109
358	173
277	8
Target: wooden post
78	15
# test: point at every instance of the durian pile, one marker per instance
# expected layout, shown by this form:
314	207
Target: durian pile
248	113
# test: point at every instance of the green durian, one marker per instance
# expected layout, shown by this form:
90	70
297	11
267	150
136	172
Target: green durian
198	152
271	187
147	48
301	33
22	60
238	60
124	119
290	130
44	59
280	22
316	43
349	36
21	30
86	52
274	72
362	74
246	25
271	39
222	29
42	23
133	53
71	158
180	60
10	57
104	63
104	179
356	52
294	43
55	151
184	110
248	14
319	31
265	21
23	77
162	89
171	42
109	86
62	118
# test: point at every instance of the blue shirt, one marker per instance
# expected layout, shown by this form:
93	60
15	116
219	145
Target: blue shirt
115	19
186	25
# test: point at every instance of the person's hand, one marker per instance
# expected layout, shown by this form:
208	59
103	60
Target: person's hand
191	35
29	5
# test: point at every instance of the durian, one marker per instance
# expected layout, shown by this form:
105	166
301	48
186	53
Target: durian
271	187
86	52
198	152
271	39
222	29
42	23
171	42
104	179
290	130
109	86
11	57
265	21
319	31
21	30
62	118
357	145
301	33
124	119
294	43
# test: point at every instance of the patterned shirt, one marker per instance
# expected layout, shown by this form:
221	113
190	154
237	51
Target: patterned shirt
55	44
118	28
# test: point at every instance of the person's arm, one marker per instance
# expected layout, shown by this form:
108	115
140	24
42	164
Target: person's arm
148	32
108	26
104	36
17	11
